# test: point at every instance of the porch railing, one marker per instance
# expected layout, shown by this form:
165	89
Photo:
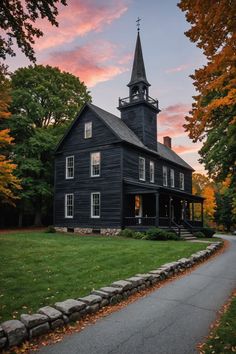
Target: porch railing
164	221
195	223
140	221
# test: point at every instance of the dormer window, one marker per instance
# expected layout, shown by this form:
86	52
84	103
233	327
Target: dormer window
164	170
69	167
181	181
142	175
88	130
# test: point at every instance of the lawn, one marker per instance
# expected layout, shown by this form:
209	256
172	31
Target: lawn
39	269
223	339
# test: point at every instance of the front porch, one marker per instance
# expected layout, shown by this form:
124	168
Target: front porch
164	209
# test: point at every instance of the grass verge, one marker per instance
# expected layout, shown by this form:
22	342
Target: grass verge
38	269
223	338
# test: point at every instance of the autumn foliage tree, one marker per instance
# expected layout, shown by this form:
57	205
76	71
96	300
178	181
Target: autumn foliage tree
213	115
204	187
9	184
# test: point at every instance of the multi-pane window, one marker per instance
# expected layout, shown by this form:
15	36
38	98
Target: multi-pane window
164	170
69	205
95	205
88	130
172	178
152	171
95	162
69	167
181	181
142	169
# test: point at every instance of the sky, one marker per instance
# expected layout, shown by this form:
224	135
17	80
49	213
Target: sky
95	41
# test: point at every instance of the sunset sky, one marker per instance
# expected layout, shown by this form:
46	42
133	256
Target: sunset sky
96	40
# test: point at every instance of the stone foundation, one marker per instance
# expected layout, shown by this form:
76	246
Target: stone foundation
86	231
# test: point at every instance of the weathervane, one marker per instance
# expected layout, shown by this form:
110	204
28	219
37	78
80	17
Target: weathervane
138	23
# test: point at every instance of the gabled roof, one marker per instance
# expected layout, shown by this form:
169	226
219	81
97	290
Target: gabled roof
138	71
124	133
166	153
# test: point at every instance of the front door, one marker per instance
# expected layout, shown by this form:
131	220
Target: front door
138	206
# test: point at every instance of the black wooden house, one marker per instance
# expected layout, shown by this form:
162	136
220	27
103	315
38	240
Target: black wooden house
111	173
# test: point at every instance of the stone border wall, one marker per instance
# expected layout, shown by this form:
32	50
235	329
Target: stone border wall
48	318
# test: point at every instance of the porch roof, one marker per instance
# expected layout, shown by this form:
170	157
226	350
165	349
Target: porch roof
146	187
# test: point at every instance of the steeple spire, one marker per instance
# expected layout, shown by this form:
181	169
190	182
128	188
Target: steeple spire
138	71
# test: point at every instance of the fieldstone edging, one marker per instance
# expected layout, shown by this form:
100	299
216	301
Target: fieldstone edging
49	318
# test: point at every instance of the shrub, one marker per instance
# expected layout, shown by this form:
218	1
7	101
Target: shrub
208	232
127	233
156	234
50	229
199	234
139	235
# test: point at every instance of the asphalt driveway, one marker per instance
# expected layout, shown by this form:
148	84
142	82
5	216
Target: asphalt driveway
171	320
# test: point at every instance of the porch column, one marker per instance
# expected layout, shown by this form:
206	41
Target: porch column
202	209
170	211
157	209
192	211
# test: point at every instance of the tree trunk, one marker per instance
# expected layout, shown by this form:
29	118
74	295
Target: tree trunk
38	218
20	219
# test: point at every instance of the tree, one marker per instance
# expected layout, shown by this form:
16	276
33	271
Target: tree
225	213
204	187
44	102
213	115
9	184
17	20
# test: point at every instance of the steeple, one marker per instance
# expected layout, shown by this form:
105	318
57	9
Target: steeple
139	110
138	71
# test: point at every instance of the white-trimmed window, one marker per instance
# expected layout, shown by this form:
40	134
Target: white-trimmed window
88	130
172	178
142	175
152	171
95	164
181	180
69	205
165	180
95	205
69	167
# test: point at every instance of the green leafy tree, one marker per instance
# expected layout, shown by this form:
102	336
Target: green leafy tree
224	209
17	19
44	102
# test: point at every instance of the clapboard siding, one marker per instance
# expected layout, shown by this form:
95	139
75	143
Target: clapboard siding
101	134
108	184
131	169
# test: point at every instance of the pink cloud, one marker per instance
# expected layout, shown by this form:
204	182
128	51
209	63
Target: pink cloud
181	149
177	68
79	18
89	62
171	120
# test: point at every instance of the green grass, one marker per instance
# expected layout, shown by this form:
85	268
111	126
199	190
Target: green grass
39	269
223	339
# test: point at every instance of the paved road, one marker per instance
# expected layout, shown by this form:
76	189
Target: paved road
171	320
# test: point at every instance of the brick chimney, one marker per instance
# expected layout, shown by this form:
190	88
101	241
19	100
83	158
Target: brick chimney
167	141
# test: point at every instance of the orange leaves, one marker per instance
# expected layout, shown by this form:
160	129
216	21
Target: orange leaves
9	183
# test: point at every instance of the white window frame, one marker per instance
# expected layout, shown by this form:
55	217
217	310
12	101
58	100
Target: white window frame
142	172
91	164
164	176
172	178
92	205
67	167
67	205
88	130
152	172
181	181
